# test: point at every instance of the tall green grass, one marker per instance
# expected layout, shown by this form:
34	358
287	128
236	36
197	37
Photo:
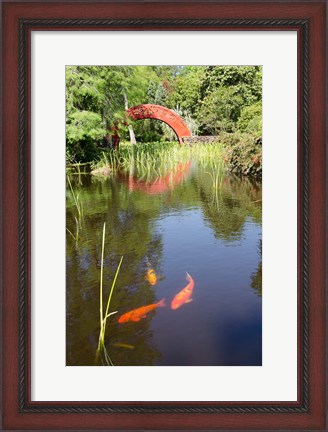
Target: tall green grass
216	172
76	199
151	160
79	209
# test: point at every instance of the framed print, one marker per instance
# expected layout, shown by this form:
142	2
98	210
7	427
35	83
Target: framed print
164	204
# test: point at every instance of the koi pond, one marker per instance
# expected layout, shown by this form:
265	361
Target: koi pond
188	290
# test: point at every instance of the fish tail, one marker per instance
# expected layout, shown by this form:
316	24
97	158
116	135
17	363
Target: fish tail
161	303
188	277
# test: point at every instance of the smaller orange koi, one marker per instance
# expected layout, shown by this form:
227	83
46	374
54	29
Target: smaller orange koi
184	295
137	314
151	276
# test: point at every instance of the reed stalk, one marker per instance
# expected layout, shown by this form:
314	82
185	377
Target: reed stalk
216	174
76	200
101	278
104	316
71	234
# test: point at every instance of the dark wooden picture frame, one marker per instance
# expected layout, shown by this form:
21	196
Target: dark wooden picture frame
308	18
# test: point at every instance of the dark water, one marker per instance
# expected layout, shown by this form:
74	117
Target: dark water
179	224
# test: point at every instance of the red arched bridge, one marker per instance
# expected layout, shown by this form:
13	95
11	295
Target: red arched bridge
158	112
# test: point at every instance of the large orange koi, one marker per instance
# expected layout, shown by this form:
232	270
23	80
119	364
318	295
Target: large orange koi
184	295
138	314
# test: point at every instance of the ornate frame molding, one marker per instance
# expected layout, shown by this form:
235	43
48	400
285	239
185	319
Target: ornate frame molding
26	25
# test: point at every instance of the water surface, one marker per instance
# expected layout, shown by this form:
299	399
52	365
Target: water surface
178	223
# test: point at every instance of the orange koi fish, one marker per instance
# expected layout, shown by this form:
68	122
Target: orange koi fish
151	276
138	314
184	295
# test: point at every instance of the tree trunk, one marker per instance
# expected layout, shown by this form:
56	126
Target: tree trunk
126	106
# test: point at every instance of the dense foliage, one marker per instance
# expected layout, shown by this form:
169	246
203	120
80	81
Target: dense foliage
213	100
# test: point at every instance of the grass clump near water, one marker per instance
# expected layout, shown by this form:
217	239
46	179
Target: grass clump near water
101	350
79	209
155	159
77	202
216	172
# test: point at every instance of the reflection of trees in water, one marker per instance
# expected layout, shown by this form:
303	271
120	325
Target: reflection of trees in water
129	233
226	220
139	336
256	278
226	210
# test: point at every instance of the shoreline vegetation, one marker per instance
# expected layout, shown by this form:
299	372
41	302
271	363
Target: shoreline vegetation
153	159
221	105
238	154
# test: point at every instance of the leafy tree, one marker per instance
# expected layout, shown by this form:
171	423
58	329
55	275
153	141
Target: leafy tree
84	124
247	81
224	92
96	101
187	85
250	119
219	111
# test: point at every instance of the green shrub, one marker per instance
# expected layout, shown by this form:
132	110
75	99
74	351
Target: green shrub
243	154
82	151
